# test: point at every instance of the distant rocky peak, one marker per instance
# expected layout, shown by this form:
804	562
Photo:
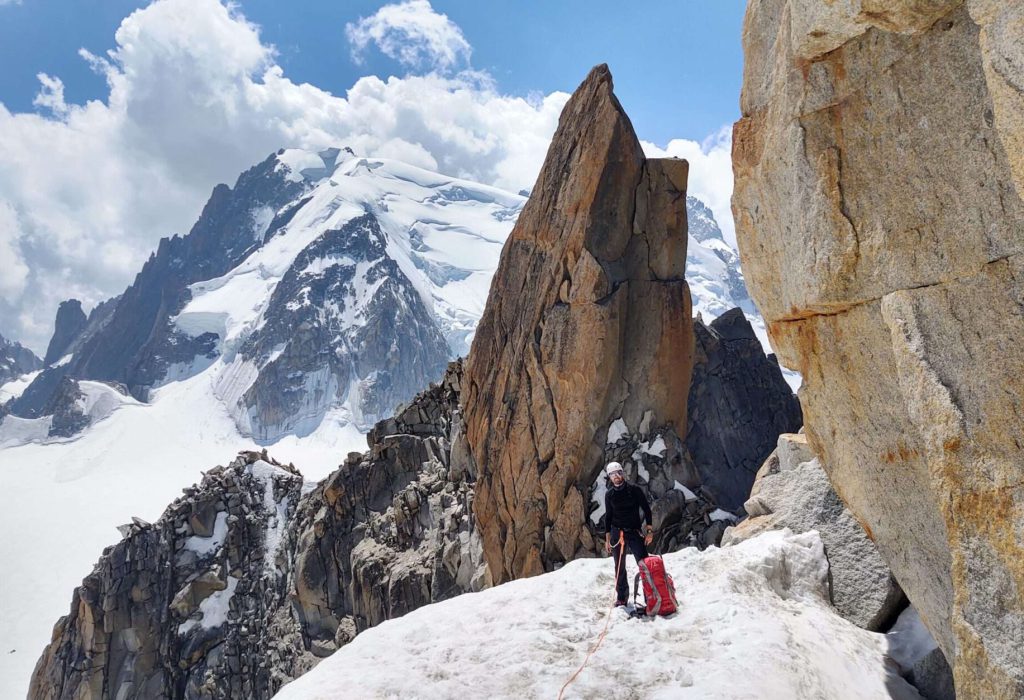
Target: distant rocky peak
701	220
311	166
16	360
67	326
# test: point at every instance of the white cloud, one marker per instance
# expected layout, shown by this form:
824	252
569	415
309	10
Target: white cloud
195	97
15	271
710	173
51	95
411	33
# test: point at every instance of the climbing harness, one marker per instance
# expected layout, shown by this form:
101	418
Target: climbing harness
607	619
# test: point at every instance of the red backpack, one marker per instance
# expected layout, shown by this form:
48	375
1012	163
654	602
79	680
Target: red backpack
659	588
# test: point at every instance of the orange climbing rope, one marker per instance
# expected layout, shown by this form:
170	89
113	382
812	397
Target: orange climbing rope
607	619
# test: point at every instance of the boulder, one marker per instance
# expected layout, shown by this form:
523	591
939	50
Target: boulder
793	491
879	166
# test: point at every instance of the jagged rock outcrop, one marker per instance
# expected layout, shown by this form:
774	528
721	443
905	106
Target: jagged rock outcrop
191	606
391	530
252	576
684	513
602	330
792	491
738	406
66	408
38	396
879	166
67	326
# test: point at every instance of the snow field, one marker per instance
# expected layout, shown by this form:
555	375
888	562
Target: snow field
755	623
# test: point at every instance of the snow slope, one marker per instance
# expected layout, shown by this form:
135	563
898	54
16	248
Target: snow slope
64	499
97	402
14	387
755	623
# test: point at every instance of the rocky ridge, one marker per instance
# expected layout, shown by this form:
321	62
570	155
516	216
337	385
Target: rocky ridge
739	403
893	283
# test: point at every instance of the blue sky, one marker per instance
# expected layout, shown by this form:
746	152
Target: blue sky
677	65
117	118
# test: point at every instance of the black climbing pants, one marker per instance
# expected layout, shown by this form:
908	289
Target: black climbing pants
635	546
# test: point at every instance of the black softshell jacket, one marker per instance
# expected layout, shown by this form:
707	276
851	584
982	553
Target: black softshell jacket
622	507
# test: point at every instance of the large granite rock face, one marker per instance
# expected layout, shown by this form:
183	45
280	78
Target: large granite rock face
588	320
250	578
738	406
67	326
792	491
879	169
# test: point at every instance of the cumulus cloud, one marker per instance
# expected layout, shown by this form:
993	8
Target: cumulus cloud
15	271
195	97
411	33
710	173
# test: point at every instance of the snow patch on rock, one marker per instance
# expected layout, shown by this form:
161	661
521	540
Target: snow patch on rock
214	609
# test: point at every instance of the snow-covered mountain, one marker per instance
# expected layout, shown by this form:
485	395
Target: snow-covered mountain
321	291
322	284
365	285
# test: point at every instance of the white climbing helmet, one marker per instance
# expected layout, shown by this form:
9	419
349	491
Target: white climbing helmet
612	468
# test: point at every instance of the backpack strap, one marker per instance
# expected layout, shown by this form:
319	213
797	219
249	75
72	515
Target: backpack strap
636	590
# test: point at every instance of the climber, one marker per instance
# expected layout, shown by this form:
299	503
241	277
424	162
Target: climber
623	503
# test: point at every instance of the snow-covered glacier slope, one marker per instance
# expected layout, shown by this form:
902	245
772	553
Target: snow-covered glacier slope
755	623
